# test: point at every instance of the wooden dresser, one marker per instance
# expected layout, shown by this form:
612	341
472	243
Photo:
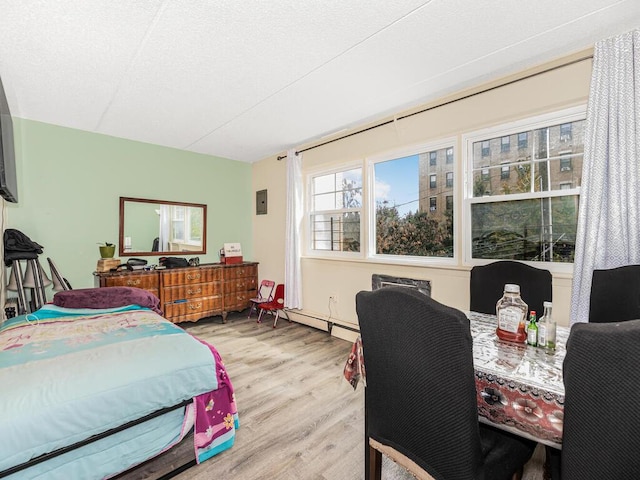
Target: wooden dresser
191	293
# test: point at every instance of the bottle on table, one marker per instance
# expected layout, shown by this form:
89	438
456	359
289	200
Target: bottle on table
542	331
548	323
532	330
511	312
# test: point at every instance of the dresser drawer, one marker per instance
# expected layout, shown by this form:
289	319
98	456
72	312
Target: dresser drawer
241	285
240	272
197	308
186	292
238	300
190	276
146	281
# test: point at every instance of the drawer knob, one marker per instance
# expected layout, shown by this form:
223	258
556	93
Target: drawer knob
196	306
194	292
193	277
132	283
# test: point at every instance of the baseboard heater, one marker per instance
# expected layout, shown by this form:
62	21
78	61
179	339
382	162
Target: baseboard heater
330	324
377	281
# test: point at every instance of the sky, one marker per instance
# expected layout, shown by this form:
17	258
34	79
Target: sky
397	183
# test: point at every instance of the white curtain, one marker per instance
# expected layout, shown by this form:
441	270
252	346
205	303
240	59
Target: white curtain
165	228
608	233
292	274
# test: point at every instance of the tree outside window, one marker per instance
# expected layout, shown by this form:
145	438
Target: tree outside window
407	219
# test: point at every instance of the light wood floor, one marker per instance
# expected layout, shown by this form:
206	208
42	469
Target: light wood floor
299	418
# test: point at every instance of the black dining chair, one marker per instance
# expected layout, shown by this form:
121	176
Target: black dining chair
615	294
420	399
487	285
602	386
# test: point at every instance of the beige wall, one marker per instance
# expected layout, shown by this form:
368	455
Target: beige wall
545	92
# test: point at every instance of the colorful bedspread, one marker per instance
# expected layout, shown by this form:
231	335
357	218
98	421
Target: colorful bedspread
68	374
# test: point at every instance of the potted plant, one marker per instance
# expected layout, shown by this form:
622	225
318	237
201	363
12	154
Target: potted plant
107	250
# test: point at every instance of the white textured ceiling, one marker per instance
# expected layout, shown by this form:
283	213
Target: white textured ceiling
246	79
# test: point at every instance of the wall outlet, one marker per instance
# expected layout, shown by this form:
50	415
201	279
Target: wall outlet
333	298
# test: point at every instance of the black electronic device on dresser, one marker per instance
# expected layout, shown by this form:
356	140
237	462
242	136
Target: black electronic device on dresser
8	181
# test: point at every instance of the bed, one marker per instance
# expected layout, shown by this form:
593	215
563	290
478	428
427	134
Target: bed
92	392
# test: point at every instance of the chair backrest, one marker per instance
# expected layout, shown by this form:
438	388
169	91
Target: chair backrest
420	394
602	387
615	294
278	297
265	291
487	285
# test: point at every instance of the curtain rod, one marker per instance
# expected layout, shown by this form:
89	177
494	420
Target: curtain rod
454	100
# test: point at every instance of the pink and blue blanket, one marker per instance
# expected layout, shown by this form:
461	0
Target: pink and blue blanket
68	374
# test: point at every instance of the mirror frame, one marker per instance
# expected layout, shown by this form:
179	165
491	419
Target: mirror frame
121	234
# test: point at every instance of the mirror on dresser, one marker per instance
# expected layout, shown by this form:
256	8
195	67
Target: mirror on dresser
160	227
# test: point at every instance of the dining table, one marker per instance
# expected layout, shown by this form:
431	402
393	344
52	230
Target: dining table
519	387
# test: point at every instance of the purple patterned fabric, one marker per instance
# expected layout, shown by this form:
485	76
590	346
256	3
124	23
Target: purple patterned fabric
107	297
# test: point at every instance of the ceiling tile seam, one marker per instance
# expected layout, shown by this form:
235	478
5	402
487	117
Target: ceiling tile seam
506	48
315	69
132	62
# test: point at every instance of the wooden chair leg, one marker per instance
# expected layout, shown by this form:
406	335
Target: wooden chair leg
375	464
518	474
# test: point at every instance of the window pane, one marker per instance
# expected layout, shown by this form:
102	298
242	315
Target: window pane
410	214
523	140
534	230
339	233
337	190
195	223
540	165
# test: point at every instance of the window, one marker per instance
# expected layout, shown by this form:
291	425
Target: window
449	155
532	216
523	140
565	162
449	204
486	151
433	158
505	144
432	181
407	220
565	132
336	203
185	227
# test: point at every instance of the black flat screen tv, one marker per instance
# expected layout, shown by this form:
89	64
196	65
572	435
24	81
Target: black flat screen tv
8	181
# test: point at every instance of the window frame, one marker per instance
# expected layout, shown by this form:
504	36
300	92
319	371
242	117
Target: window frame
468	139
505	147
449	179
565	157
308	249
370	234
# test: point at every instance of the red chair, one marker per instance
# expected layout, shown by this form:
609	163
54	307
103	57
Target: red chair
265	294
276	305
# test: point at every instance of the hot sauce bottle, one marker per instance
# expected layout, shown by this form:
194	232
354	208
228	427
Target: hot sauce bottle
512	312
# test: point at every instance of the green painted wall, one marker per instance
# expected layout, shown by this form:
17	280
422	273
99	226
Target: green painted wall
70	182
